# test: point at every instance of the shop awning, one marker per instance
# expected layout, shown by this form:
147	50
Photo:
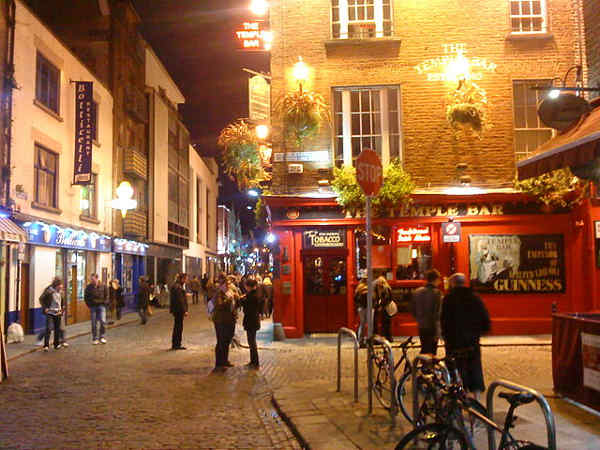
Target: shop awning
10	231
574	147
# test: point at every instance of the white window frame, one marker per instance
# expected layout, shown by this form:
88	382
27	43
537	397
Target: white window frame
543	15
384	120
344	20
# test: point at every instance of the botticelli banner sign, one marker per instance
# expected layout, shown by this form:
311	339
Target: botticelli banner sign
84	131
517	263
324	239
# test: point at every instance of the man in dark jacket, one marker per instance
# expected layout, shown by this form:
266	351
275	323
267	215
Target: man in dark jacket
95	298
179	309
143	299
464	319
427	308
252	310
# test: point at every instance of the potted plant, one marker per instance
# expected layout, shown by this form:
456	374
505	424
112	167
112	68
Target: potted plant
350	195
467	108
302	114
395	191
554	190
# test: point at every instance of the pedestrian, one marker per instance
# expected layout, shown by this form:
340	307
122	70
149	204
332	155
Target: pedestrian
252	309
427	309
383	296
142	298
360	305
464	319
224	318
204	286
195	288
268	287
95	299
53	307
179	309
163	296
116	297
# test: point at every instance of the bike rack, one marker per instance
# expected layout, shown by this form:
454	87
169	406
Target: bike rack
548	416
426	359
388	348
352	334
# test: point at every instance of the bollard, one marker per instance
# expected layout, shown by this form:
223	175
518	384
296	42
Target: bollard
352	334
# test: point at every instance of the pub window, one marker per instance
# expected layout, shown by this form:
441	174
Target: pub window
361	19
381	255
367	117
413	252
46	177
528	16
47	84
530	133
88	201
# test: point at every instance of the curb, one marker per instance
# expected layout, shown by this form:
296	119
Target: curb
290	424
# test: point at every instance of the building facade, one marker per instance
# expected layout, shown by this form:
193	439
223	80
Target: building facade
229	239
388	71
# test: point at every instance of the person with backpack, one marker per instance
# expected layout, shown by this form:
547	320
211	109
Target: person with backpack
53	307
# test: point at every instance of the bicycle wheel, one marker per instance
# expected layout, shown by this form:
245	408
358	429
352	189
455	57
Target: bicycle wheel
404	395
405	399
434	436
382	383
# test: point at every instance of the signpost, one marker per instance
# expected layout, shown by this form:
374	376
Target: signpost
369	174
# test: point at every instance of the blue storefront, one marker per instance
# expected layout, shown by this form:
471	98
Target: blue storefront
129	264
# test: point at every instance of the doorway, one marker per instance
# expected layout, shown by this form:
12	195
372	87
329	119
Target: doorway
24	305
325	291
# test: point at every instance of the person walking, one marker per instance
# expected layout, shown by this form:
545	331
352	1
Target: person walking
116	297
427	309
360	305
224	317
204	286
143	299
464	319
383	296
268	288
195	288
252	310
95	299
179	309
52	306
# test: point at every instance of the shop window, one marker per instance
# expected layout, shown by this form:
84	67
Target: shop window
46	177
528	16
361	19
89	201
413	252
381	254
367	118
530	133
47	84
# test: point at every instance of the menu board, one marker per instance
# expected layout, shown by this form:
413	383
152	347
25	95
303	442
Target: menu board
517	263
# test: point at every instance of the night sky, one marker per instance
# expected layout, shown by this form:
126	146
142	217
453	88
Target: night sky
196	42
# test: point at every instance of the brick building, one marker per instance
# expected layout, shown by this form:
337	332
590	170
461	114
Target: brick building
385	69
591	17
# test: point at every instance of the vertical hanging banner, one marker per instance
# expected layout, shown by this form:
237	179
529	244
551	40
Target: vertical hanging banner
84	131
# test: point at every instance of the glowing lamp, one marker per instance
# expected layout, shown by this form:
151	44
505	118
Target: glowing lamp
124	200
262	131
554	93
300	70
271	238
458	68
259	7
253	192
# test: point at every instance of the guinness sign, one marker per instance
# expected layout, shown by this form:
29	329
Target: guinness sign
324	239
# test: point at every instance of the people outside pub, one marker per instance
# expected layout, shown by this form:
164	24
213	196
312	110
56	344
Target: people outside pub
95	299
382	298
52	304
142	298
179	309
427	309
464	319
360	305
223	316
195	287
252	306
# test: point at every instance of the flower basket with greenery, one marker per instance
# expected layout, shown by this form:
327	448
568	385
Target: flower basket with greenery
241	159
554	190
467	108
350	195
260	212
302	114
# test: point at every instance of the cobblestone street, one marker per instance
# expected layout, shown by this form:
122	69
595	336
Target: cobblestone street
134	393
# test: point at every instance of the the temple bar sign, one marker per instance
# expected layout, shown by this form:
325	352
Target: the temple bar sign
324	239
457	210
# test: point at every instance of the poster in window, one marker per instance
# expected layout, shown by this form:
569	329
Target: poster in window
517	263
84	132
590	351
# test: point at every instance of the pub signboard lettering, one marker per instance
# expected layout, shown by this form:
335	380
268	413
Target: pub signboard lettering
517	263
84	131
324	239
41	233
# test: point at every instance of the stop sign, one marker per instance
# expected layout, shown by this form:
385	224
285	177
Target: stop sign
369	172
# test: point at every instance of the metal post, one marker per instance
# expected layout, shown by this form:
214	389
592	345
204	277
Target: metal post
369	304
548	416
352	334
390	355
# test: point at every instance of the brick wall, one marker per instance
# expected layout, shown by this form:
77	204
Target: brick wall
591	17
430	149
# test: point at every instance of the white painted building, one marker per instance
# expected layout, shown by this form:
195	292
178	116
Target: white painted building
68	226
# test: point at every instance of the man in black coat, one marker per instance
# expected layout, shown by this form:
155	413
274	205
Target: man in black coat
252	309
179	309
464	319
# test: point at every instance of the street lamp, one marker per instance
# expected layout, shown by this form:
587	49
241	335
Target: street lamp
300	72
124	200
259	7
253	192
262	131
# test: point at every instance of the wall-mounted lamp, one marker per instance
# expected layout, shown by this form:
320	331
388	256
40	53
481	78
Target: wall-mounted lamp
124	200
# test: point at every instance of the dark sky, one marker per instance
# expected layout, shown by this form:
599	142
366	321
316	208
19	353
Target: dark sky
195	39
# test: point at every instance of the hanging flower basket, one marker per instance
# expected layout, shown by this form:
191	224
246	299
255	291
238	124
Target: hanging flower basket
467	109
302	114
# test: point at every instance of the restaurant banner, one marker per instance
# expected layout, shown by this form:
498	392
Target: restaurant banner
84	132
324	239
517	263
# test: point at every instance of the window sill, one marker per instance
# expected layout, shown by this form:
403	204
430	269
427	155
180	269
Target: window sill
528	36
44	108
89	219
333	43
46	208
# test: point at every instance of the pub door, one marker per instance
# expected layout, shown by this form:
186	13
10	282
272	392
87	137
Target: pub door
324	293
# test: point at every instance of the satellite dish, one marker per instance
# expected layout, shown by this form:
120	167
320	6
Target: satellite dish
562	112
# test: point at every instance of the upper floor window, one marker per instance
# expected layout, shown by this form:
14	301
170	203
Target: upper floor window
360	19
47	84
367	117
530	133
88	201
528	16
46	177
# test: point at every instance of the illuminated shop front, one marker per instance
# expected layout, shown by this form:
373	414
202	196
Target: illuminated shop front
129	264
520	260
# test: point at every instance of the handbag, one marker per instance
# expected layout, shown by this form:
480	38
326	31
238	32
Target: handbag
391	308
